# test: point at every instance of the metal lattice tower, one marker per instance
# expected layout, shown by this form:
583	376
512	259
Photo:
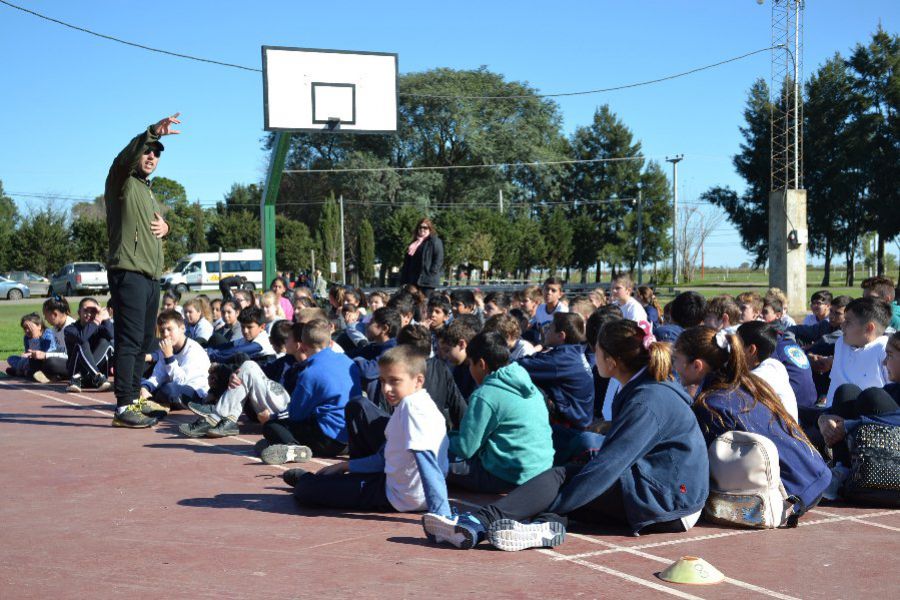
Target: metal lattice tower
785	95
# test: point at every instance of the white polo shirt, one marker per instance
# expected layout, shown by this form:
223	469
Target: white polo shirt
860	366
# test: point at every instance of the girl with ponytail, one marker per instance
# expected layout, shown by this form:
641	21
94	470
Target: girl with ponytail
651	474
731	398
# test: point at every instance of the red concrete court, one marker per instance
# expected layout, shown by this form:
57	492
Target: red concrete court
92	511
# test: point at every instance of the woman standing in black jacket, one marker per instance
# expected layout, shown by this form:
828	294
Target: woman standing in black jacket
424	259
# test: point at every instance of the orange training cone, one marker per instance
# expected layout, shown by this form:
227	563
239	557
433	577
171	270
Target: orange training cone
692	570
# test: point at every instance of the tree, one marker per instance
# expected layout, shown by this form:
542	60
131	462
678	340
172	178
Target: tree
397	235
42	241
749	212
168	191
233	224
694	228
9	216
330	234
89	236
876	81
828	164
366	254
90	210
293	244
557	233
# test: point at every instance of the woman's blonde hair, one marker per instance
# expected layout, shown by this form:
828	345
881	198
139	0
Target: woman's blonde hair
202	306
271	299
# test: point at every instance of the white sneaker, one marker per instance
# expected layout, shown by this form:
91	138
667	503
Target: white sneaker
511	536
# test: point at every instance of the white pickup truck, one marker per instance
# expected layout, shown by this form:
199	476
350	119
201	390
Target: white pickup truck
79	277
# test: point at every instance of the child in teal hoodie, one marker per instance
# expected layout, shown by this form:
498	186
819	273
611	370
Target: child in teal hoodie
505	438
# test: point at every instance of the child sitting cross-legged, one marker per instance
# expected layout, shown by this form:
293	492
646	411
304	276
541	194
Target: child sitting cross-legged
315	419
89	348
37	339
564	374
266	389
405	474
731	398
180	371
859	354
504	439
651	475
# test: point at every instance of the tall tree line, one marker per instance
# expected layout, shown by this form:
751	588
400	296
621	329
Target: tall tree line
851	157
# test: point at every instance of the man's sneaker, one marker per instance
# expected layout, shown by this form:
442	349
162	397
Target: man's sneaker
203	410
462	531
152	408
510	536
133	417
197	429
259	446
292	476
225	428
40	377
278	454
74	386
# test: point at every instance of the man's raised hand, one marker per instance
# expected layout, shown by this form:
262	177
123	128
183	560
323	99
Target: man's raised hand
164	127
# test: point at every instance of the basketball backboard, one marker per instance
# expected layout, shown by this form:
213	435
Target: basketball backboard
315	90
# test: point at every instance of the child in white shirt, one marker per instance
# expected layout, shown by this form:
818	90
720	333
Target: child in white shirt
760	340
859	354
622	293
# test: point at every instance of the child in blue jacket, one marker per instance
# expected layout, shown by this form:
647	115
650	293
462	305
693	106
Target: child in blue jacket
564	374
651	475
731	398
37	337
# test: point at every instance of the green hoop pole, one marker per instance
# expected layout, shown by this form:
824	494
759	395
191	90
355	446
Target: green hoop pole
267	204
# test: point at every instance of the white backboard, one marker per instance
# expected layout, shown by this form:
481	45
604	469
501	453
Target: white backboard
329	90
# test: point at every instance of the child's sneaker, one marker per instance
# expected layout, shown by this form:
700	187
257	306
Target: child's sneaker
292	476
278	454
510	536
152	408
462	531
74	386
103	384
40	377
225	428
197	429
202	410
259	446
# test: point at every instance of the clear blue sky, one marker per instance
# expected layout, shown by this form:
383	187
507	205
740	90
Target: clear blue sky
70	101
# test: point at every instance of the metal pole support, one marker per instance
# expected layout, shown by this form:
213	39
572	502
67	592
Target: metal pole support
280	145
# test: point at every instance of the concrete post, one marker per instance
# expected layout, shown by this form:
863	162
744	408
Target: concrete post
788	238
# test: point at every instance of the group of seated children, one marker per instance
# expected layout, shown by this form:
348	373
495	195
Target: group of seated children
594	409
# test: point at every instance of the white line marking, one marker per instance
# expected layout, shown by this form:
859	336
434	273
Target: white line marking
619	574
668	561
42	395
859	519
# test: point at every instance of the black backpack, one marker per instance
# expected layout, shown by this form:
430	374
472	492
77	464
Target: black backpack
875	466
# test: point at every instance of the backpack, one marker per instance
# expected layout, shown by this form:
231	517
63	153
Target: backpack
745	484
875	466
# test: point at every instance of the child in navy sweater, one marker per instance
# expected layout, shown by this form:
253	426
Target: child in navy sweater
382	333
731	398
651	475
452	348
564	374
89	348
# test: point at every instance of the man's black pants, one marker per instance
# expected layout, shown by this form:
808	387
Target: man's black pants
135	299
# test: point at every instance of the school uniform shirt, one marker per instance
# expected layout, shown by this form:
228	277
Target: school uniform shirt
799	371
189	367
87	335
322	391
464	380
654	450
785	321
542	317
520	350
668	332
201	330
633	310
563	372
415	426
803	471
812	333
258	347
773	372
59	335
862	366
812	320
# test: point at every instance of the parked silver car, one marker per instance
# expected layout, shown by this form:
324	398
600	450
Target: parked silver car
38	284
80	278
13	290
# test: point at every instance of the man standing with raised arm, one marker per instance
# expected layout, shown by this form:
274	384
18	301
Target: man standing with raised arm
135	262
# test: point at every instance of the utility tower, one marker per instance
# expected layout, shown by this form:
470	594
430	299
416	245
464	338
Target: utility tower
788	234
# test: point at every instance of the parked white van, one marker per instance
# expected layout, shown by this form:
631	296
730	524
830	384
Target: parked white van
202	271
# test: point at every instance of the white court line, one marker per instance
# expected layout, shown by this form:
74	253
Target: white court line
860	519
668	561
42	395
619	574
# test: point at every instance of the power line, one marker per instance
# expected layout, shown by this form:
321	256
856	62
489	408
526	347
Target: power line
483	166
410	95
599	90
126	42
